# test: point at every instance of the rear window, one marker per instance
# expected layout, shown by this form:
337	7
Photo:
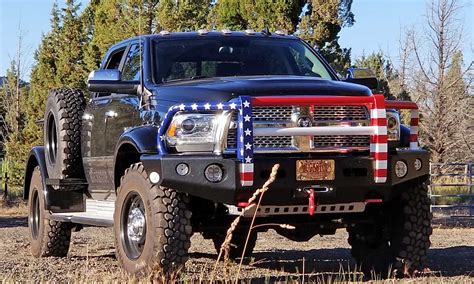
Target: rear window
227	57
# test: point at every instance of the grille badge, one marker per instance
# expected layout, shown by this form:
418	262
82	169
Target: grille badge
305	122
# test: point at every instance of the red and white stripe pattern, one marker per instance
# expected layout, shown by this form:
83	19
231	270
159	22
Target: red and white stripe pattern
378	141
246	174
414	119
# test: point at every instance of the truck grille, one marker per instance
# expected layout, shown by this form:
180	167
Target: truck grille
272	113
338	113
321	115
341	141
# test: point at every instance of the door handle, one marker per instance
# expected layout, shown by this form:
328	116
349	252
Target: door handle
110	114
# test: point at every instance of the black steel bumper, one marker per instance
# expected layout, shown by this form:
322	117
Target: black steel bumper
353	177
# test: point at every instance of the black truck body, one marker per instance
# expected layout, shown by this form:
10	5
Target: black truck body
145	101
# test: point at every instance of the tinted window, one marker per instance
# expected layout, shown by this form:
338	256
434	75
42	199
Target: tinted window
227	56
114	59
131	67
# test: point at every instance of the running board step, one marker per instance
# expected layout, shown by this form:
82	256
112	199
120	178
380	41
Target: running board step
98	213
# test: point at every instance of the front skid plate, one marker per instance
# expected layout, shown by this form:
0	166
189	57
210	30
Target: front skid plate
268	210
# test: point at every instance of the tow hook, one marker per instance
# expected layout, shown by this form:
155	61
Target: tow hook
312	206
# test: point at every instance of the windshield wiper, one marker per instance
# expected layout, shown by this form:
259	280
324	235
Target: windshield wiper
187	79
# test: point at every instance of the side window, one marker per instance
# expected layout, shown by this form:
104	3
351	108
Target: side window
114	60
131	67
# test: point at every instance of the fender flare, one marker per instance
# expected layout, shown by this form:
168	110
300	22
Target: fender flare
138	140
35	158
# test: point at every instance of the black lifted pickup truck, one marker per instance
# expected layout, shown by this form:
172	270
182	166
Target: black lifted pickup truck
182	128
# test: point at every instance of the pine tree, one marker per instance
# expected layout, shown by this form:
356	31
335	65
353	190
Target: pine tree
114	20
227	14
185	15
321	24
382	67
71	69
12	98
274	15
43	79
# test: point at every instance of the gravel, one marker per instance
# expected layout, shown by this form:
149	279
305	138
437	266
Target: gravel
92	258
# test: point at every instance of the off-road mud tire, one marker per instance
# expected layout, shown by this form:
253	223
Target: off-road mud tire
62	133
50	238
398	243
236	244
168	225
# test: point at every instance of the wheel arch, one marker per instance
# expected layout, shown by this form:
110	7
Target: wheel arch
35	158
131	145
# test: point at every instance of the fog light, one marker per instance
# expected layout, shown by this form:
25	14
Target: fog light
417	164
213	173
401	169
154	177
182	169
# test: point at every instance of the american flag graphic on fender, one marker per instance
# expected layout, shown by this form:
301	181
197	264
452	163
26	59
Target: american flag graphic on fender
245	141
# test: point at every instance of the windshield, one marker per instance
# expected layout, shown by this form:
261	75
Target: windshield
187	59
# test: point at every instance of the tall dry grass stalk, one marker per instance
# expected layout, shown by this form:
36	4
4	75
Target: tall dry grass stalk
226	244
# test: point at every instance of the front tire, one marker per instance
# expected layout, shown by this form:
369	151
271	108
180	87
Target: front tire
398	243
47	237
152	224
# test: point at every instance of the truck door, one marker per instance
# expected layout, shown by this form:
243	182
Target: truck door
93	130
122	112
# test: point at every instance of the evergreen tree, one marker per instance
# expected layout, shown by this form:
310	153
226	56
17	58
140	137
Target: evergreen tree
320	26
227	14
185	15
43	79
274	15
382	67
111	21
71	70
13	102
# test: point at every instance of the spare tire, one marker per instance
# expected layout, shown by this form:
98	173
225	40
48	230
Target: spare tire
62	133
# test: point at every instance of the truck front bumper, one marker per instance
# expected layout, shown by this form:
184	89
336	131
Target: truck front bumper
354	181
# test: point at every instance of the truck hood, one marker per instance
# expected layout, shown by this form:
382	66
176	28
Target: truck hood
226	88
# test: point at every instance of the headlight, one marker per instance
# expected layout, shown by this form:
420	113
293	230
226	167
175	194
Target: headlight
393	125
195	132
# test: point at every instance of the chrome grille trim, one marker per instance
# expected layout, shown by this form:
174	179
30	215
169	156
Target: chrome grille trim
272	113
338	113
286	116
341	141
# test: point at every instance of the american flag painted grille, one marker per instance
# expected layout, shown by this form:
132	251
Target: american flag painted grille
321	114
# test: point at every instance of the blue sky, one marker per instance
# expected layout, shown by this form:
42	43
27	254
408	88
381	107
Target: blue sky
378	26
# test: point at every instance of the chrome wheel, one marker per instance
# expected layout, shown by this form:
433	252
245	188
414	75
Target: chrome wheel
51	139
34	217
133	225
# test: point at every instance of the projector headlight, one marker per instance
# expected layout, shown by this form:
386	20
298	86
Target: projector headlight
393	125
195	132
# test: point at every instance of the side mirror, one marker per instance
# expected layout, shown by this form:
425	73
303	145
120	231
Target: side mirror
109	81
362	76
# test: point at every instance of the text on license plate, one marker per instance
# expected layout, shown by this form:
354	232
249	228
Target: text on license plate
315	170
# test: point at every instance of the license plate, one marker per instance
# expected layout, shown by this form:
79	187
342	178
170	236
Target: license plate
315	170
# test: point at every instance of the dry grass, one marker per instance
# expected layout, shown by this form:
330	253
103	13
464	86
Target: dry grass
13	207
231	271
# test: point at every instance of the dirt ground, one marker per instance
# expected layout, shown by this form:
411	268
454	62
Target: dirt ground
91	257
